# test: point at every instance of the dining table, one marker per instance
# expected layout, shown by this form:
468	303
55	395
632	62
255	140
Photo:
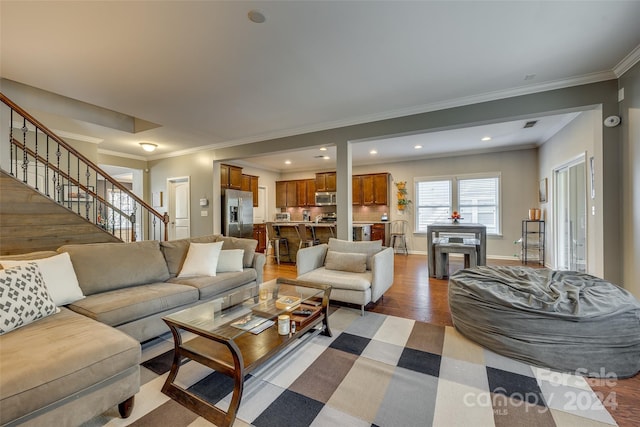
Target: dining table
478	230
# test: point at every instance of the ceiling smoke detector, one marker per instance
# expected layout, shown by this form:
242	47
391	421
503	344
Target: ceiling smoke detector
530	124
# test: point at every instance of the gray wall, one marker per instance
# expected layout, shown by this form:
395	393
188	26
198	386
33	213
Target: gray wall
581	137
630	161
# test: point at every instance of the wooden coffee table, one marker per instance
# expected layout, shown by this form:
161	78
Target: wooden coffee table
224	344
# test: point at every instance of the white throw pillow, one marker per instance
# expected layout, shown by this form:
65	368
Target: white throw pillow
230	260
23	297
202	259
58	275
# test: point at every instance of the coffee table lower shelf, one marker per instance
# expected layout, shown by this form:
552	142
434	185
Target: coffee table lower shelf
234	358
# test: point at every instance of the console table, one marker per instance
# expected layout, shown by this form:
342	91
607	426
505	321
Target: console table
478	230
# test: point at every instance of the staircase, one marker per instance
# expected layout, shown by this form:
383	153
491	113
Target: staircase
56	179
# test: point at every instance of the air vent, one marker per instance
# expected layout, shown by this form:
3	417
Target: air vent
530	124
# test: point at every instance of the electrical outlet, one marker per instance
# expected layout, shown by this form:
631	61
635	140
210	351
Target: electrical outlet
204	213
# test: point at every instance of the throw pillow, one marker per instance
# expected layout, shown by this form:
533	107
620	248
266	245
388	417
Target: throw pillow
369	248
23	297
58	275
344	261
201	260
230	260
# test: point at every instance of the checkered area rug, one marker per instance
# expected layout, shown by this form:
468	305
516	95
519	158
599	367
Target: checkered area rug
376	370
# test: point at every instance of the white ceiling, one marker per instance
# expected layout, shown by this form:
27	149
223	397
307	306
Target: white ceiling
210	77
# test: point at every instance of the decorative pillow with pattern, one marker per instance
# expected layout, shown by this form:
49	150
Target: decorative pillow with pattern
23	297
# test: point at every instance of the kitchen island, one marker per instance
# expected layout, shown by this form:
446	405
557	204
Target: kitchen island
321	232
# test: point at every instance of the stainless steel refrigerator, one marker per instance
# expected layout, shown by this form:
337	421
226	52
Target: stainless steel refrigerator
237	213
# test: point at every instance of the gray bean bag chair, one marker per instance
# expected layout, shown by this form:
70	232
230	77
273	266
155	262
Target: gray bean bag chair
563	320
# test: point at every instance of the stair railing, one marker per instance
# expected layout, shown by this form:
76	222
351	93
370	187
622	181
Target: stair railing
47	163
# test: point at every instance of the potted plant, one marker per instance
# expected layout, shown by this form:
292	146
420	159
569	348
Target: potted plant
402	195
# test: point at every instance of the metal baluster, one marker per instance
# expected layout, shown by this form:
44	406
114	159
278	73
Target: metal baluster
46	171
89	195
25	160
36	161
11	162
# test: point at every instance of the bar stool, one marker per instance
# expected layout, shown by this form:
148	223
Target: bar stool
399	232
275	240
301	229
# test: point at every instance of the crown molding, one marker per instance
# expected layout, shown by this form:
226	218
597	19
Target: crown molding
627	62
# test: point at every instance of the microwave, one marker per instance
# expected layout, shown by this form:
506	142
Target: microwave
327	198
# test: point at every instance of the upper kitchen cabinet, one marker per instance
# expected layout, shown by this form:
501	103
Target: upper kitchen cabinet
286	194
356	190
250	183
306	192
231	177
326	181
375	189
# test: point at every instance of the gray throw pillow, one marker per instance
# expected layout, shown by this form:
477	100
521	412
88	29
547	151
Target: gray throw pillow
344	261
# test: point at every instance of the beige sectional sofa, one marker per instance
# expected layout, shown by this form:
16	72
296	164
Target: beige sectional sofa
68	367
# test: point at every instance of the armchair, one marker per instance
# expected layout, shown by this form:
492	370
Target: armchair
359	272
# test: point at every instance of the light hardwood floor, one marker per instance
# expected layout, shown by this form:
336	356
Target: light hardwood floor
416	296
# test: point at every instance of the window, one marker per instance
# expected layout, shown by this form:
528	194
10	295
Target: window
476	197
434	202
119	216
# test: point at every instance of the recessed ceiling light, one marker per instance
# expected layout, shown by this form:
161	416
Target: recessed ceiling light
326	157
148	146
287	162
417	147
373	152
323	148
256	16
486	138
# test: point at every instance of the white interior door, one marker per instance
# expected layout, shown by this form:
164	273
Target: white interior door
179	208
571	217
260	212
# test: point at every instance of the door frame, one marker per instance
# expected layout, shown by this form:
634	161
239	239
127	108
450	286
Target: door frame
581	158
170	199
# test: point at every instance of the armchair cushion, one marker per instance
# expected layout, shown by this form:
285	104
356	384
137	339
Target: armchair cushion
342	261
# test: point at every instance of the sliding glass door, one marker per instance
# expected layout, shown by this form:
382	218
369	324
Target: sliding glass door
570	200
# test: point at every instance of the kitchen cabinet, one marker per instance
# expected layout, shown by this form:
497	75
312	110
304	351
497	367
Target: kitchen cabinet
231	177
305	192
326	181
299	192
286	194
375	189
250	183
378	232
311	192
260	234
356	190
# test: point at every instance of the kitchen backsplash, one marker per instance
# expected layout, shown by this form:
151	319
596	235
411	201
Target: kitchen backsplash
360	213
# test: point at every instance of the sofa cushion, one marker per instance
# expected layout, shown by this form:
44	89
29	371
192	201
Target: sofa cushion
125	305
209	286
175	251
248	245
230	260
201	260
368	248
102	267
339	279
23	297
344	261
30	256
74	352
58	275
